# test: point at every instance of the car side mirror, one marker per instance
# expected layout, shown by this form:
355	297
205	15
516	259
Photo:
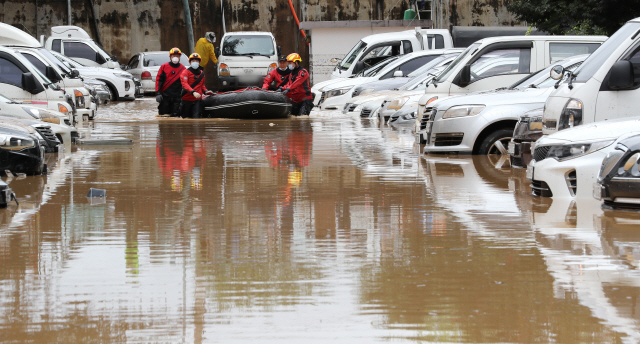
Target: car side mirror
217	51
621	75
398	74
465	76
29	83
51	74
557	72
114	58
359	67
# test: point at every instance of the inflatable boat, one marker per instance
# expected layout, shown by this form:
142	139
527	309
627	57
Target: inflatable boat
251	103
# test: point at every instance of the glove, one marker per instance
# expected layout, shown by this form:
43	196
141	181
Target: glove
159	98
210	93
279	89
286	91
197	95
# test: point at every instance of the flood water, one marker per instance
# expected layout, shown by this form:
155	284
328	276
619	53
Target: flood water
325	229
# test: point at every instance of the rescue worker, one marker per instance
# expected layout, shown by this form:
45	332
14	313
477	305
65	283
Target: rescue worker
278	77
297	89
168	86
204	48
192	80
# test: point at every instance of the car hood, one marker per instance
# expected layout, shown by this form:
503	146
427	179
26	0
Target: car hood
411	94
344	83
372	96
98	70
385	84
16	125
499	97
597	131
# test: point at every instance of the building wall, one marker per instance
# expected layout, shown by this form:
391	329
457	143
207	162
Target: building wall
130	26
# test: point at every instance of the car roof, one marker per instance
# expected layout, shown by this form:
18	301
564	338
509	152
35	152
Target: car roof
498	39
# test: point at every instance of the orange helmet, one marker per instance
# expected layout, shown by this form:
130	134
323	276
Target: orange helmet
175	51
195	56
294	58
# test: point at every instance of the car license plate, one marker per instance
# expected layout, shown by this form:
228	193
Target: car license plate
512	148
530	168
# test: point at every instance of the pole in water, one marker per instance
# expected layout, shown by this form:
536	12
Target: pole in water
68	12
187	19
224	27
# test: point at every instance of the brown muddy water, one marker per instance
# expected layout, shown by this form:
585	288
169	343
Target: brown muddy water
317	230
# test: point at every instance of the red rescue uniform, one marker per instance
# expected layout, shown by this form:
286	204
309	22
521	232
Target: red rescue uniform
298	86
281	78
187	78
167	81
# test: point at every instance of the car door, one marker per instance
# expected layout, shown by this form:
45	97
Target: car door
11	79
134	66
82	53
611	103
496	66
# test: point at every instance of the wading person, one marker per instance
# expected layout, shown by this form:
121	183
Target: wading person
168	86
192	80
297	89
278	77
204	48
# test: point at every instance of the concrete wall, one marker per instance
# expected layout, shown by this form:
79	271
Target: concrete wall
129	26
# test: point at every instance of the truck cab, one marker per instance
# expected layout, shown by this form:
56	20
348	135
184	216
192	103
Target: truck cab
606	86
245	58
375	48
74	42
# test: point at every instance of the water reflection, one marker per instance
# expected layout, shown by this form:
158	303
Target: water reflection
331	229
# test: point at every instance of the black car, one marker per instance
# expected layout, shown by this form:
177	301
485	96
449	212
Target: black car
527	131
6	195
20	152
619	178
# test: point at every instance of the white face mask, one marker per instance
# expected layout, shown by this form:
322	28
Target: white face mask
175	59
195	65
292	66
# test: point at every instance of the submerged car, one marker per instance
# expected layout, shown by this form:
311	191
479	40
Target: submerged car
566	164
20	151
619	179
527	131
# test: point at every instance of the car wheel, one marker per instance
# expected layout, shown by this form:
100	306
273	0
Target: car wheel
113	93
496	143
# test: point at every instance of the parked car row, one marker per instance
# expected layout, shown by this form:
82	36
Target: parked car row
541	100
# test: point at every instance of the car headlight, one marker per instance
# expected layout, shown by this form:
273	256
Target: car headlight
337	92
574	150
79	98
365	91
611	160
535	124
463	111
15	143
397	104
224	70
571	114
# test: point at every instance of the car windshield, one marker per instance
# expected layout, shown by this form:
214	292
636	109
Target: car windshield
154	60
595	61
420	82
542	79
248	45
65	60
36	71
377	67
52	59
463	56
352	55
429	65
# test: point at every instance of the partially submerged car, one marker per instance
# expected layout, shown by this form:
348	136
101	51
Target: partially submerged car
20	151
566	164
528	130
619	179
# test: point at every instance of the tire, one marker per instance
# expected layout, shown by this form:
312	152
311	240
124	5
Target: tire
113	93
496	143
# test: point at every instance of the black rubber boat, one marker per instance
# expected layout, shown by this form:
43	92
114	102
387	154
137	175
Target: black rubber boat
247	104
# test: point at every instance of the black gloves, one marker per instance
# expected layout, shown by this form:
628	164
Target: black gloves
159	98
285	91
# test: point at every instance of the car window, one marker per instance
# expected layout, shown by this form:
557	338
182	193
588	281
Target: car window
635	62
55	45
79	50
10	73
154	60
561	51
410	66
391	49
133	63
439	42
36	62
501	62
352	55
406	47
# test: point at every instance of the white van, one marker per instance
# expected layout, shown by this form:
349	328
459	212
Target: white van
375	48
245	58
606	86
74	42
20	80
496	62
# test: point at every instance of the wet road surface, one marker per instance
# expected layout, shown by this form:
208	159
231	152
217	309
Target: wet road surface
321	229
